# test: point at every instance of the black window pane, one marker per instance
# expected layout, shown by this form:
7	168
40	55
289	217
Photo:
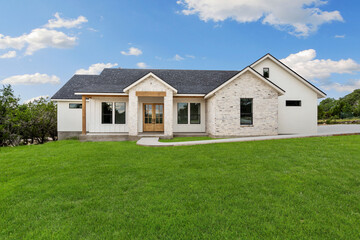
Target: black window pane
182	113
75	105
106	108
194	113
246	115
293	103
266	72
120	113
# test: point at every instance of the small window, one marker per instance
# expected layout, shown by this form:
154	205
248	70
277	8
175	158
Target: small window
182	113
75	105
107	109
293	103
246	114
194	113
266	72
120	112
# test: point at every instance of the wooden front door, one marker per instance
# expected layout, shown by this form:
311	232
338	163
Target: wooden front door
153	117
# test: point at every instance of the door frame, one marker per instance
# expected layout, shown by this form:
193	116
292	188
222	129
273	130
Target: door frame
153	109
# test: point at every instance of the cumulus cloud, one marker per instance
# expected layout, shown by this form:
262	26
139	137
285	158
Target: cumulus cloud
339	36
177	57
43	37
59	22
36	98
132	52
10	54
190	56
31	79
347	87
306	65
298	17
95	69
142	65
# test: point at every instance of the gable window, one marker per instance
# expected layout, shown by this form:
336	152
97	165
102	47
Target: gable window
182	113
120	112
293	103
266	72
246	111
106	112
194	113
75	105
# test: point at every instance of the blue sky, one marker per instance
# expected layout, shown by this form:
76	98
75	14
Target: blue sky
37	56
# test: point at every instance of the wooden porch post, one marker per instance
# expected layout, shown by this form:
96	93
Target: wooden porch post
83	115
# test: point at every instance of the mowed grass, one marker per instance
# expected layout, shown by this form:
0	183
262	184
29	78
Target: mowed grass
281	189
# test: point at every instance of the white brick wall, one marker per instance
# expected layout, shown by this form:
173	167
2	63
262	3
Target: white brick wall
223	109
151	84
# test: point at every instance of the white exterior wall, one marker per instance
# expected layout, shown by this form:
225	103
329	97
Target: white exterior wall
292	120
68	119
93	116
223	108
190	127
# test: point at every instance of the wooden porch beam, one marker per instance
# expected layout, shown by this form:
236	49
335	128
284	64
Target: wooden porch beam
150	94
83	115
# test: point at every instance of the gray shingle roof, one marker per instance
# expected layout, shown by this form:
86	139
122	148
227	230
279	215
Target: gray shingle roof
113	80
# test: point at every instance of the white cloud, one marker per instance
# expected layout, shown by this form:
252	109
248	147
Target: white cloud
36	98
59	22
339	36
142	65
306	65
9	54
347	87
37	39
177	57
132	52
31	79
190	56
298	17
95	69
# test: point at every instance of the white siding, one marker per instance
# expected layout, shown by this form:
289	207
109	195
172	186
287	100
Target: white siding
292	119
94	116
190	127
70	120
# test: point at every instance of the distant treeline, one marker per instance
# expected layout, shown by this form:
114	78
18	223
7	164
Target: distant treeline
345	107
33	122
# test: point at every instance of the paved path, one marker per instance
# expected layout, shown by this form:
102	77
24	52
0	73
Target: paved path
323	131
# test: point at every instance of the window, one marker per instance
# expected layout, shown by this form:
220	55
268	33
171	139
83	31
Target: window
266	72
182	113
107	109
293	103
75	105
194	113
246	115
120	112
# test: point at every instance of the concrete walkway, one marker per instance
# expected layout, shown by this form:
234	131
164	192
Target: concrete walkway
323	131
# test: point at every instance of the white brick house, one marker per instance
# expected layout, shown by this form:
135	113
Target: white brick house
265	98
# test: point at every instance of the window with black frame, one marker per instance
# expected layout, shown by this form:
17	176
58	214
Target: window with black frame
194	113
75	105
246	111
120	113
106	112
266	72
182	113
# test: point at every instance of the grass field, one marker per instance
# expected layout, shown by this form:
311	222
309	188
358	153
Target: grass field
281	189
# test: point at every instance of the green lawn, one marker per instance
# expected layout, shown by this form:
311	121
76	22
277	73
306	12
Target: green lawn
282	189
185	139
